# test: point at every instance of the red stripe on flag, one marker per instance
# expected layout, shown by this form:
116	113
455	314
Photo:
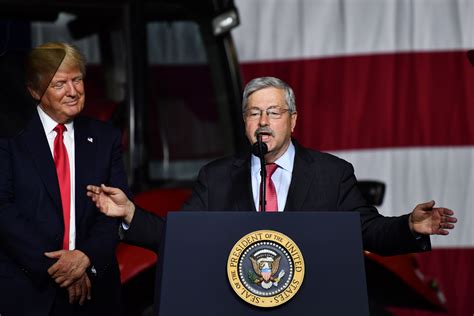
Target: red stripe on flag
379	101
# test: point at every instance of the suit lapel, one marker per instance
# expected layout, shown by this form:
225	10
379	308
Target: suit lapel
301	179
85	142
36	142
242	185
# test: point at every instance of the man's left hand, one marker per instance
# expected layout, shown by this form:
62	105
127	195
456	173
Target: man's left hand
80	290
71	266
429	220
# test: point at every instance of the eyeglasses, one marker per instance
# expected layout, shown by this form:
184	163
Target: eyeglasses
273	113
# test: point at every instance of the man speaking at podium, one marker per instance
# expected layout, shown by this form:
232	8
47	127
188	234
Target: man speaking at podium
297	179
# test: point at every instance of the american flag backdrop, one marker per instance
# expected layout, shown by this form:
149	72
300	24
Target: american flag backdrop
385	85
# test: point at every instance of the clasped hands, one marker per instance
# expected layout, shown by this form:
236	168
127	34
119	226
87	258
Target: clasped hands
69	271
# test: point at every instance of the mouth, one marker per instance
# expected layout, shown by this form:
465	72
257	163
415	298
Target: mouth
72	103
265	137
265	132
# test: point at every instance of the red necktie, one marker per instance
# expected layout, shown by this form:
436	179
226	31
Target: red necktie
272	201
61	161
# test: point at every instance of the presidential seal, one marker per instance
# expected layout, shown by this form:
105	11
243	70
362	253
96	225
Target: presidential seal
265	268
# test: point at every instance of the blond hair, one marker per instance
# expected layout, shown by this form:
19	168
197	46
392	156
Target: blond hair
44	60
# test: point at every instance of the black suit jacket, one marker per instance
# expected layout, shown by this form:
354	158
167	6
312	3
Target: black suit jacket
320	182
31	217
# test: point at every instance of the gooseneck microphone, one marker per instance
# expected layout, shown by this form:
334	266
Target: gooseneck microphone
259	149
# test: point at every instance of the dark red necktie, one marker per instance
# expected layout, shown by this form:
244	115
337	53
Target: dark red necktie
61	161
272	201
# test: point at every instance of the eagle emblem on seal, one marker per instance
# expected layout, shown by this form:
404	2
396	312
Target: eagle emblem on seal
265	263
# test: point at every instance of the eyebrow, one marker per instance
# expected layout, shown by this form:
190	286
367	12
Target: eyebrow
53	82
270	107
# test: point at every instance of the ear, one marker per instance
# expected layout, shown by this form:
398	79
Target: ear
34	94
294	116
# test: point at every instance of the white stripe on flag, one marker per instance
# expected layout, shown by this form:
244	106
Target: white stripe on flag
282	29
415	175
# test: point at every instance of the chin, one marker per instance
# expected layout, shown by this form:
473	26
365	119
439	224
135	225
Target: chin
78	109
70	115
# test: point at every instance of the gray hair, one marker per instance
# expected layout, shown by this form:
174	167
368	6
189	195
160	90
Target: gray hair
269	82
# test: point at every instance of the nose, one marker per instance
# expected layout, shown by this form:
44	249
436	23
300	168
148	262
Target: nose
70	89
263	121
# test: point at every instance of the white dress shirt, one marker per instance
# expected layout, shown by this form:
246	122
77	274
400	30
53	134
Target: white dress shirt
49	124
281	177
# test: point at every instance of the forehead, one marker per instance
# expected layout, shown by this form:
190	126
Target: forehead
267	97
66	71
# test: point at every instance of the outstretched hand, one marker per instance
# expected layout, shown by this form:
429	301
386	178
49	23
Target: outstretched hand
429	220
112	202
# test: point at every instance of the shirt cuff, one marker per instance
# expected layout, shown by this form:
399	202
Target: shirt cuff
125	226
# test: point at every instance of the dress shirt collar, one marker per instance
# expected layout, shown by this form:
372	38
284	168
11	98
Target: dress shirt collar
49	124
285	161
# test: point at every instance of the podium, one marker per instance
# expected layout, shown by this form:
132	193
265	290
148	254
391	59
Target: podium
192	268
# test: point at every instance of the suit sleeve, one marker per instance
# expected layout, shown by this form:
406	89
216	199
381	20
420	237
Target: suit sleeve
380	234
146	229
19	238
102	239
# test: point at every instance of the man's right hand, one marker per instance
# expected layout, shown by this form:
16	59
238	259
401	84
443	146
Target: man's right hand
112	202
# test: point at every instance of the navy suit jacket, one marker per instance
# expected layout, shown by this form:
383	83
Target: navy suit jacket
31	216
320	182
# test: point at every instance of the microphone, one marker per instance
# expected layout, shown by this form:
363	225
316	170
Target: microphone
259	149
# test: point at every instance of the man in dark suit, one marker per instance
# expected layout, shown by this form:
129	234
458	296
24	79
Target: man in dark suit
300	180
57	252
